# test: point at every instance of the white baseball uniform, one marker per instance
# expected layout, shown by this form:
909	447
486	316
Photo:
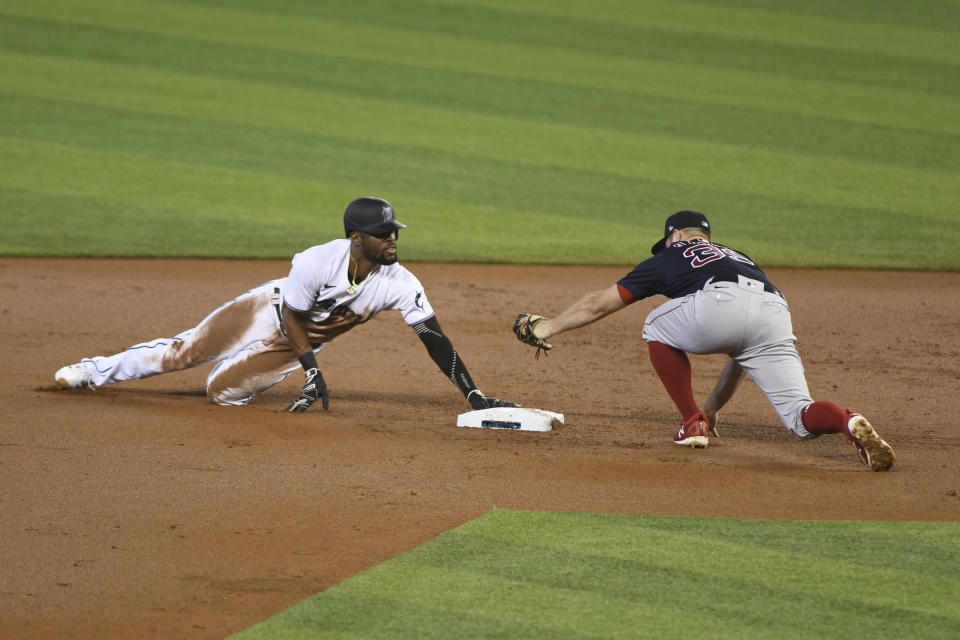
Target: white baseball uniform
245	336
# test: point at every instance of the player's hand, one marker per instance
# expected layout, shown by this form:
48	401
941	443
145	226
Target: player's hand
314	388
479	401
524	327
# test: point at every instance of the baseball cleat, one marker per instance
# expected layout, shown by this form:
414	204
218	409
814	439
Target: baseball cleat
872	450
73	376
693	433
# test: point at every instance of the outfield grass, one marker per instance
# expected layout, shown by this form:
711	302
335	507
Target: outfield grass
513	574
541	131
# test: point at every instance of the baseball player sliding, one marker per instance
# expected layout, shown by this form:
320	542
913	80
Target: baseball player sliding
264	335
720	302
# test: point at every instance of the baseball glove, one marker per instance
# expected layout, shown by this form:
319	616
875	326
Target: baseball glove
523	326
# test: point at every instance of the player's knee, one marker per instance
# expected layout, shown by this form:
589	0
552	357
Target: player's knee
223	395
228	385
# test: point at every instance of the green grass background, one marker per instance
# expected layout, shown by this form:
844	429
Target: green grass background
513	574
813	134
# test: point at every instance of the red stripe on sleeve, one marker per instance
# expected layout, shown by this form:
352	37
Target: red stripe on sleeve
625	295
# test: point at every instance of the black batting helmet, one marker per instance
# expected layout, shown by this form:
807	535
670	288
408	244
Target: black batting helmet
370	215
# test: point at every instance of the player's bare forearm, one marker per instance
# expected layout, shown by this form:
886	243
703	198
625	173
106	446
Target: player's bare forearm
723	390
315	386
297	336
588	309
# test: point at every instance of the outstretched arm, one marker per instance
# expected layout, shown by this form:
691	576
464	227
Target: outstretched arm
588	309
441	350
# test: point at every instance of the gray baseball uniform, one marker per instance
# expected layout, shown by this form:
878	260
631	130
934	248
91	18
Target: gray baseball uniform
721	302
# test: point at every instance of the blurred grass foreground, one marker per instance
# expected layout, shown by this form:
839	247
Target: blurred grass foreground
513	574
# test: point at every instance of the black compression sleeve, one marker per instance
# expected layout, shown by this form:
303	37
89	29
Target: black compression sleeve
308	361
441	350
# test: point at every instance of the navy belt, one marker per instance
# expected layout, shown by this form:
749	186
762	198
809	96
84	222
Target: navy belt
767	287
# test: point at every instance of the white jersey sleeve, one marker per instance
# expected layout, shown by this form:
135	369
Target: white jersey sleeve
311	269
408	296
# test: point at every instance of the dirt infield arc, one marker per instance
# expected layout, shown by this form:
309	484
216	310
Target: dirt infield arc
141	510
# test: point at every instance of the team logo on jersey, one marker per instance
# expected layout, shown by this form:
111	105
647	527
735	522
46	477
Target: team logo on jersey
419	300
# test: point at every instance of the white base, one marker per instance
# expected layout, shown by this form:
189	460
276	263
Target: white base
510	419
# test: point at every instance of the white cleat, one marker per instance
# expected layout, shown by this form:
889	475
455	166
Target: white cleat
693	433
872	450
73	376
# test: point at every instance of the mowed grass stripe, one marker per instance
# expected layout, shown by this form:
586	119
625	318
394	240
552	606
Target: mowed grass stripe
928	550
937	14
141	90
600	613
550	190
666	575
861	577
777	92
767	22
295	155
223	194
242	200
693	34
840	183
182	209
613	576
484	94
336	616
38	223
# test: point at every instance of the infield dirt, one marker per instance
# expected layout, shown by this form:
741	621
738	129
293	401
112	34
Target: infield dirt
141	510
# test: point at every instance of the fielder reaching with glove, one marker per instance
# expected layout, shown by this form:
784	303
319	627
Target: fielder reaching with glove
264	335
720	302
523	326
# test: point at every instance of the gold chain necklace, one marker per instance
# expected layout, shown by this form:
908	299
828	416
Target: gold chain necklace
353	280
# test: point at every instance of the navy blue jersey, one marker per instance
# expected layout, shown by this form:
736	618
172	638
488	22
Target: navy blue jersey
685	267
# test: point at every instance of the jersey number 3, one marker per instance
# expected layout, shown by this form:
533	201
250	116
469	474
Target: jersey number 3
703	253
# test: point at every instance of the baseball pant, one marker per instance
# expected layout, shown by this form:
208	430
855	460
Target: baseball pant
751	326
242	336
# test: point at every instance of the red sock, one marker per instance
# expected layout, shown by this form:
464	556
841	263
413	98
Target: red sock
673	367
824	417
